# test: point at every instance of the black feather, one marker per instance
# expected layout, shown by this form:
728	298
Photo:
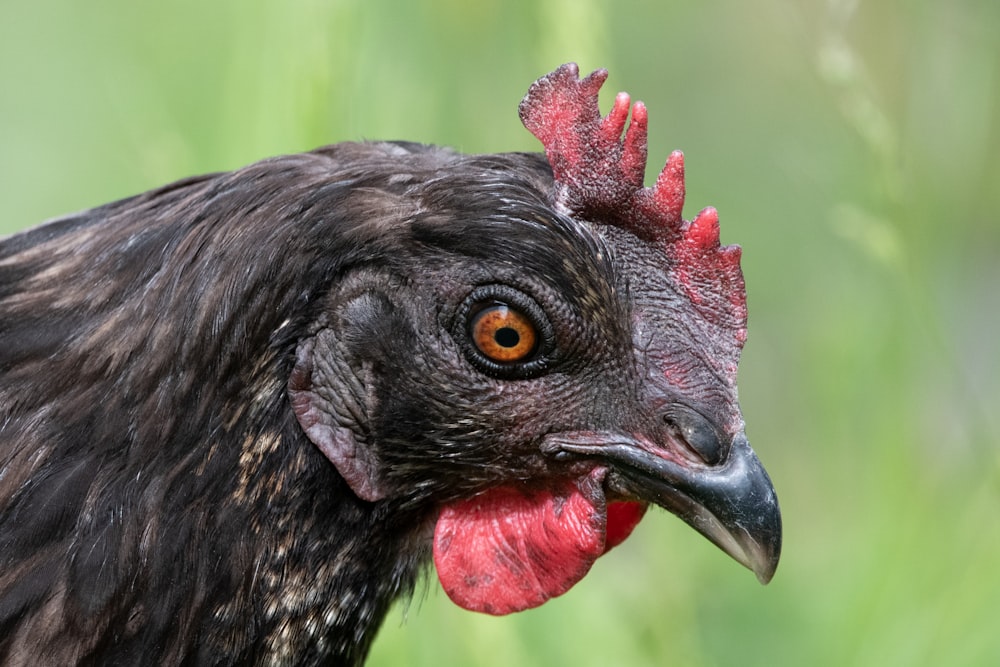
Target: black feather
159	501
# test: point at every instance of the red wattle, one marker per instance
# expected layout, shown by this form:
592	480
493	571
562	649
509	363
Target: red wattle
623	517
508	550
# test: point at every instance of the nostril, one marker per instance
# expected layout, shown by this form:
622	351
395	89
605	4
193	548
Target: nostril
704	443
697	433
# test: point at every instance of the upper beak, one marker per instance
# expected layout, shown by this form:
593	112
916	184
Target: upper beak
733	503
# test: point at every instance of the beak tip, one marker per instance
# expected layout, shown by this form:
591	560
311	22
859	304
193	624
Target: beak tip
760	559
765	572
752	535
763	558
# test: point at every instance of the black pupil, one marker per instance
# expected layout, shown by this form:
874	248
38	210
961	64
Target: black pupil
506	337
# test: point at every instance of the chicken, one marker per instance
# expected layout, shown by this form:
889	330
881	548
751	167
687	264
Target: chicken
240	414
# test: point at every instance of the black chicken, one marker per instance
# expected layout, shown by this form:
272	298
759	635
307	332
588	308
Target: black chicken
239	413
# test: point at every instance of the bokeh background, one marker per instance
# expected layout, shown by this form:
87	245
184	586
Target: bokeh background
852	149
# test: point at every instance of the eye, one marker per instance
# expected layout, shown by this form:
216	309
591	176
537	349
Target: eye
504	332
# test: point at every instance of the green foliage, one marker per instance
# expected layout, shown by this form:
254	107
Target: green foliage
850	148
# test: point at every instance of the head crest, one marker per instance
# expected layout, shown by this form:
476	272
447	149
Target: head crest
599	166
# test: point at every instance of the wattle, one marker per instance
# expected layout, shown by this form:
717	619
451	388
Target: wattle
508	549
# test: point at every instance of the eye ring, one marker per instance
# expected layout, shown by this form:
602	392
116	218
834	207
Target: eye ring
504	332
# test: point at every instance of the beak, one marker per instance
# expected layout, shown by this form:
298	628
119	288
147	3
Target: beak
733	503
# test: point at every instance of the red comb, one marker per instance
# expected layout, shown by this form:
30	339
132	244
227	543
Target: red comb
599	166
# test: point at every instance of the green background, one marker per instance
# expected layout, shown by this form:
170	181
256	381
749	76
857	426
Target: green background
851	149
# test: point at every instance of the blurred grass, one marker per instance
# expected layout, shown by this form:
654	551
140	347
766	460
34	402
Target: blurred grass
851	149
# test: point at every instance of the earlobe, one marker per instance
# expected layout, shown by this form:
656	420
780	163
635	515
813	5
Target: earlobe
311	396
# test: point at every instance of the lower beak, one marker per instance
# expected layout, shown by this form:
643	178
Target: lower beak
733	504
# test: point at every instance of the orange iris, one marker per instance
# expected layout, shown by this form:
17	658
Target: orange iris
503	335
